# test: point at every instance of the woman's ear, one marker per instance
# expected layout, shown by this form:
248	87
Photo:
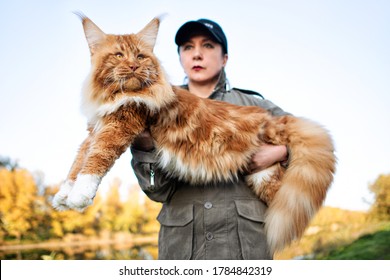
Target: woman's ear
225	59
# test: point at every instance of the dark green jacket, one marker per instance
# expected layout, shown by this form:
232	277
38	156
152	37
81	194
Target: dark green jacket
211	221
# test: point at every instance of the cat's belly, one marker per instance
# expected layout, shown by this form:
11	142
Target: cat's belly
198	171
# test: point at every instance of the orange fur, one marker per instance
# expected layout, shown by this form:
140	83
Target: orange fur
197	140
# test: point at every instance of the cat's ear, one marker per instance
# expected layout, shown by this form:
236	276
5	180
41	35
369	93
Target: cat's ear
149	33
94	35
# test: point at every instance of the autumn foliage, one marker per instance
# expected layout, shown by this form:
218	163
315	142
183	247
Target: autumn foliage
380	209
26	212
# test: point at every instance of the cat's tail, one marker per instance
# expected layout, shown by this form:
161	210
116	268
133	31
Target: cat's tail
304	184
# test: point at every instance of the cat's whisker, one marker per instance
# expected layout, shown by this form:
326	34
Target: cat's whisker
122	84
110	82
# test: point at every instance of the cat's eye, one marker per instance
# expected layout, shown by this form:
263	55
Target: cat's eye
140	57
119	55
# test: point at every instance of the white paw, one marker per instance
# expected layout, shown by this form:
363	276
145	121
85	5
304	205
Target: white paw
59	200
83	191
257	180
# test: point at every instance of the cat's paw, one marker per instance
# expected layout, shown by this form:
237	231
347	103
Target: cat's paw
59	200
78	202
265	183
83	192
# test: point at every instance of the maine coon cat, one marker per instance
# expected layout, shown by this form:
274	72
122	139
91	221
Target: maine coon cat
127	91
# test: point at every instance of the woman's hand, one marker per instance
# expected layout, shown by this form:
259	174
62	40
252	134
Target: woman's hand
267	155
143	142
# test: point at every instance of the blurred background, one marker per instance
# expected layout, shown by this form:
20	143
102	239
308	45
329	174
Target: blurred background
324	60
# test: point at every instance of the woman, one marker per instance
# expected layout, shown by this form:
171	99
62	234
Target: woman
216	220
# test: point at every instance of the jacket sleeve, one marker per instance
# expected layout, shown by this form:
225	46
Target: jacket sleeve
152	180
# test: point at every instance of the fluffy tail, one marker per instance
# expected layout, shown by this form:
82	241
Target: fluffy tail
304	184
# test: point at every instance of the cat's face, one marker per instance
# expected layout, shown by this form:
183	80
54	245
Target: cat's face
122	63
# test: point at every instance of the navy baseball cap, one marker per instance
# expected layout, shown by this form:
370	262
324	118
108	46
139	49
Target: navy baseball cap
210	27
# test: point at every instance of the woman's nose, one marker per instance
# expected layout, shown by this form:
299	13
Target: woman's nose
197	53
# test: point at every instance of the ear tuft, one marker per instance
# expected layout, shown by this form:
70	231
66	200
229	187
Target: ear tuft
80	14
162	16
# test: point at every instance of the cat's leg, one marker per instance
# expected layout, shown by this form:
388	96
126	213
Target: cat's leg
266	183
59	200
114	136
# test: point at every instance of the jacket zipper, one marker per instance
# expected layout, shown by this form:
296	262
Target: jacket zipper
151	175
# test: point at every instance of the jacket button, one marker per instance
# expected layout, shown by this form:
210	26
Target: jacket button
209	236
208	205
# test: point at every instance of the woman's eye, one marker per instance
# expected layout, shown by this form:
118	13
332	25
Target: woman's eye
119	55
209	46
187	47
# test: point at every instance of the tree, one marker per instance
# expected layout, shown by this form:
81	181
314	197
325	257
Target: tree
26	212
380	210
133	217
8	163
112	208
19	202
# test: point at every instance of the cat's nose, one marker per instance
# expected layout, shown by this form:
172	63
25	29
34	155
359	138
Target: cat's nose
133	67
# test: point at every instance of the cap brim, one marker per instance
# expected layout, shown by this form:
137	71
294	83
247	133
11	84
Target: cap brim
190	28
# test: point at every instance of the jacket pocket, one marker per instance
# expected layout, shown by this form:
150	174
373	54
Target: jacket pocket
176	232
251	234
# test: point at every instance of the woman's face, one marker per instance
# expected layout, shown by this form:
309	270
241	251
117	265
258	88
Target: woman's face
202	59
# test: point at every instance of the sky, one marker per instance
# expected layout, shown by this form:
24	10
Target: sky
326	60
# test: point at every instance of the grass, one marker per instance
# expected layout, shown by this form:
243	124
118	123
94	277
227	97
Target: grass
338	234
374	246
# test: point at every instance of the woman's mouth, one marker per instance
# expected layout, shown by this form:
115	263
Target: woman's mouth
197	68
